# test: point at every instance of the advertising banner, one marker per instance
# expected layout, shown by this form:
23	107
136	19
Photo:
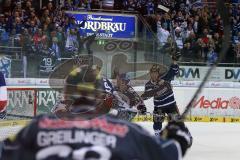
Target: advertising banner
212	105
194	73
106	25
46	99
21	101
212	102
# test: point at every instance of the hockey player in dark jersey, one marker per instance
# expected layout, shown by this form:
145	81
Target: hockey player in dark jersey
84	131
164	101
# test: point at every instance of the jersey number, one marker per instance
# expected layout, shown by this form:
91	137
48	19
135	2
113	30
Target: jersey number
47	61
64	151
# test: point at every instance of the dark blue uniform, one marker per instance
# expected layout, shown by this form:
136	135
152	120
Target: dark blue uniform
103	138
164	101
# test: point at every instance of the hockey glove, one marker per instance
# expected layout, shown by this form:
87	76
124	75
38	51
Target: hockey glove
176	56
178	132
142	109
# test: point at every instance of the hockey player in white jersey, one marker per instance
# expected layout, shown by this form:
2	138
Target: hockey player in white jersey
3	96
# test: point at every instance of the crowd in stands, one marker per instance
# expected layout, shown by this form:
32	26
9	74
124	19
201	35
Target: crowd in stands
38	31
197	31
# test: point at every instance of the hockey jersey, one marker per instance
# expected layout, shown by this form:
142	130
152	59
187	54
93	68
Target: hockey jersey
132	97
103	138
165	97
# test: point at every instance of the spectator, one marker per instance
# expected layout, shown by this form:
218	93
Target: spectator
217	42
18	26
39	39
211	56
162	33
237	52
150	7
32	27
4	37
71	41
56	48
26	41
179	37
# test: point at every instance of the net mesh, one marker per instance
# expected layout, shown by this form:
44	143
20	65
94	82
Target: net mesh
21	103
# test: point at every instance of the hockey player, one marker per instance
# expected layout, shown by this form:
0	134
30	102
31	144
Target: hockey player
164	101
76	136
3	96
134	100
111	99
133	103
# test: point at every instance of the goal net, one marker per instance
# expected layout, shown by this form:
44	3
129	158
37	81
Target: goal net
22	105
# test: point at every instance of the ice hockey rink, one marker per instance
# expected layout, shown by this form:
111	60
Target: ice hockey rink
211	141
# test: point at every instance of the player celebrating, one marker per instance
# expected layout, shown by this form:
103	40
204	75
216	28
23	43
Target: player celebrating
164	101
81	132
3	96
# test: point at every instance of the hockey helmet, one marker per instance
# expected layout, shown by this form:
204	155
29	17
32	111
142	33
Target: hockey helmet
124	77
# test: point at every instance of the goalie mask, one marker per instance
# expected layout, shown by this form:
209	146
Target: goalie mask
84	95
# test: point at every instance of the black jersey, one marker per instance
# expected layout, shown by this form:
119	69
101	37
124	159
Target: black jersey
102	138
165	96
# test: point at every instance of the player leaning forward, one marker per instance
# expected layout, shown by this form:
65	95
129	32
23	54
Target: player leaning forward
88	132
3	96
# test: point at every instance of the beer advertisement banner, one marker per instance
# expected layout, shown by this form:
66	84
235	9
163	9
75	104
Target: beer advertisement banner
105	25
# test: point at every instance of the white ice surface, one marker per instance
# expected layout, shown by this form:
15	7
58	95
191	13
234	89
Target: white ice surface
212	141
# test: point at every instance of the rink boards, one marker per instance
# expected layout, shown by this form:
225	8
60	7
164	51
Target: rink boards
218	102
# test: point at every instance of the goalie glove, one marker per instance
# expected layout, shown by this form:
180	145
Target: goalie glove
179	132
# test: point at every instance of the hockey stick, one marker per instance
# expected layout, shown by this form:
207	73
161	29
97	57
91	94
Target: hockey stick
225	45
19	116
